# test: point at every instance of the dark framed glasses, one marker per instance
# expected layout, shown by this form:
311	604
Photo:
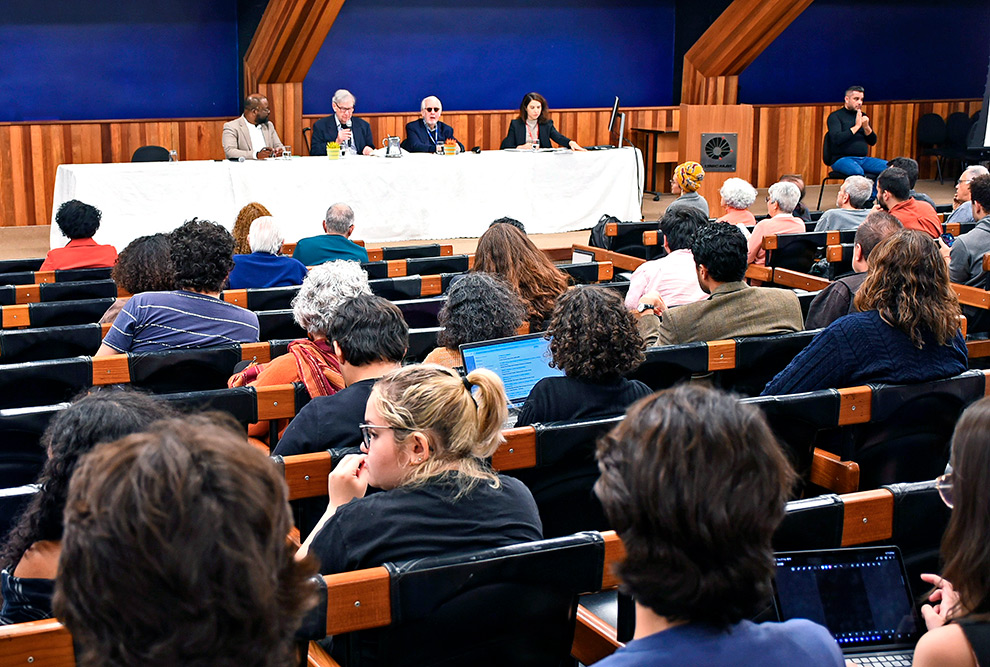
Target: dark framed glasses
366	430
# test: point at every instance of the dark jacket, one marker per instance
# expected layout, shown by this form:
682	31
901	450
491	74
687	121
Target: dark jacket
325	131
420	140
517	135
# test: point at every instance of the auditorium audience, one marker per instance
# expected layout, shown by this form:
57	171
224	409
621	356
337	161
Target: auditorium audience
242	225
335	242
369	338
507	252
894	195
907	329
175	552
851	206
533	128
800	210
673	276
79	222
479	306
427	435
193	315
782	197
266	266
685	183
962	198
957	616
732	309
968	249
695	484
29	559
910	168
836	300
593	339
737	196
145	265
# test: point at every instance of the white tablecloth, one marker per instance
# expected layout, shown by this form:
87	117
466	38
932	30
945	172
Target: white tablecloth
417	196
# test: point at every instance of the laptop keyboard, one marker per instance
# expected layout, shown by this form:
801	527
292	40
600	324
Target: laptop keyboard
883	660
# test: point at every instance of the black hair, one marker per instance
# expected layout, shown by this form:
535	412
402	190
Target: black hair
78	220
369	328
722	250
479	306
509	221
855	89
680	225
909	166
895	181
979	191
202	255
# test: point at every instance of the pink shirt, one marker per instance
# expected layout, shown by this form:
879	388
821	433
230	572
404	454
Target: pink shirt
742	218
778	224
673	276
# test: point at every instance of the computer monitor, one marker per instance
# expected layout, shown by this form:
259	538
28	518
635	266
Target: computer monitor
521	362
617	135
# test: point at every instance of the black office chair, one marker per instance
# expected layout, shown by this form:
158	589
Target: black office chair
151	154
832	174
932	133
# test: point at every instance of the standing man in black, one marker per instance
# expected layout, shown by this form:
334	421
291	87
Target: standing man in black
850	136
353	134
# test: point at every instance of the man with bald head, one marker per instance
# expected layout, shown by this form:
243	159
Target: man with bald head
424	135
353	134
252	136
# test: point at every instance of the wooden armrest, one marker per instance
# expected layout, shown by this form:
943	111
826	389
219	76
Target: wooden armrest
757	272
594	639
518	450
375	255
45	643
446	250
651	237
276	402
834	474
804	281
396	268
867	516
833	253
16	316
968	296
257	352
855	404
770	242
306	474
624	262
112	369
986	262
605	271
238	297
27	293
317	657
721	355
358	600
611	229
430	286
44	277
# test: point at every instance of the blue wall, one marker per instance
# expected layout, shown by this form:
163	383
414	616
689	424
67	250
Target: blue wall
903	50
94	59
487	55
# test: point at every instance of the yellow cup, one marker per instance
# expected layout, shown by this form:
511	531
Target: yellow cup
333	152
450	149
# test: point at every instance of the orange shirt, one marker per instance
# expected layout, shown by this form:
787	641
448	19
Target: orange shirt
918	215
80	254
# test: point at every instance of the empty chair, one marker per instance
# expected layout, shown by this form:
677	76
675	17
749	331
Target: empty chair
151	154
932	133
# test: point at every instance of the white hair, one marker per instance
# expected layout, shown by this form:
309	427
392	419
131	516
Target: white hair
422	104
975	170
859	189
324	289
786	195
738	193
266	235
341	95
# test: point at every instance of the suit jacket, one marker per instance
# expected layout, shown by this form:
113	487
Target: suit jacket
733	309
237	140
420	140
517	135
325	131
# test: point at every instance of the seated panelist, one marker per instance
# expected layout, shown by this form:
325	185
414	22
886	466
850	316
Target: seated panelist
533	128
353	134
428	133
252	136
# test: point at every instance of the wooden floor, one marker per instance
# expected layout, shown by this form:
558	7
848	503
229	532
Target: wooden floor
21	242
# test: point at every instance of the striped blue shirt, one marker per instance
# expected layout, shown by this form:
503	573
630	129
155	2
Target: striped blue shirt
153	321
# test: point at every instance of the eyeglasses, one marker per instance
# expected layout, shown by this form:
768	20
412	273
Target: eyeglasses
436	109
343	109
944	486
367	428
962	181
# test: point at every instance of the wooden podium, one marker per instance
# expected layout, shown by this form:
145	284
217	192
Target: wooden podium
697	119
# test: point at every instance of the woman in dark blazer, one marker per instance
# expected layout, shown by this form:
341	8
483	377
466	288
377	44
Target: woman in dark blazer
534	126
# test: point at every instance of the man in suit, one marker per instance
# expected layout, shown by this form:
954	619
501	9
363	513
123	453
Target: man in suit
424	135
732	309
353	134
252	136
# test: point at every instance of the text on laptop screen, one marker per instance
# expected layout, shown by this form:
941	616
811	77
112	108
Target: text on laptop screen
860	595
521	362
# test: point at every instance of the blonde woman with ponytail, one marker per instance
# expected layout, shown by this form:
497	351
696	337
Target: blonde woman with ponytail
428	434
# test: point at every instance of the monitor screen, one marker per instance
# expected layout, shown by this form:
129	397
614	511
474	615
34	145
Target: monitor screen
615	112
521	362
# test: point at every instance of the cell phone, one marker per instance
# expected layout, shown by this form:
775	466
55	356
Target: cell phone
949	239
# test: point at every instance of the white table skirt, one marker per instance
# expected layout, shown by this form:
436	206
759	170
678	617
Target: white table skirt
417	196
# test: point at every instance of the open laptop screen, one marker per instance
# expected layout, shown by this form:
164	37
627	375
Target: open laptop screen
860	594
521	362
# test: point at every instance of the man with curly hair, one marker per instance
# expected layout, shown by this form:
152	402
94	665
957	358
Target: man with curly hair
193	315
79	222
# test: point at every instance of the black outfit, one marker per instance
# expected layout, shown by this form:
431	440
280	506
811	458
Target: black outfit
423	520
421	139
517	136
844	143
834	301
558	399
327	421
978	635
325	131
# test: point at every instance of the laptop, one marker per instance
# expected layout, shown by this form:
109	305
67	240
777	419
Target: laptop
521	362
862	595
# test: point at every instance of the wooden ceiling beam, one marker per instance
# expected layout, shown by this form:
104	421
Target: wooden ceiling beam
287	40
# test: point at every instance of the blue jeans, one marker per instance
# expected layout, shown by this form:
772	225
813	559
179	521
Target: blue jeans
857	166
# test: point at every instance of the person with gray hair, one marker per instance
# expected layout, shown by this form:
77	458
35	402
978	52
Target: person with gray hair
737	196
782	197
266	266
852	199
310	360
335	243
963	199
428	134
353	134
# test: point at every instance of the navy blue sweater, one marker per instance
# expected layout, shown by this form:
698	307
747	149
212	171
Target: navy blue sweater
861	348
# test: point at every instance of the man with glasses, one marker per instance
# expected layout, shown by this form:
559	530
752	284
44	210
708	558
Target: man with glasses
428	134
252	136
353	134
963	197
966	264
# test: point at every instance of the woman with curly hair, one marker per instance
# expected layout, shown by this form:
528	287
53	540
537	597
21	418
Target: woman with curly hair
508	253
479	306
242	226
78	222
29	559
907	329
145	265
593	339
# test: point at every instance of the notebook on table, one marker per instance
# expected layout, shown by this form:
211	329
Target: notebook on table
862	595
521	362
